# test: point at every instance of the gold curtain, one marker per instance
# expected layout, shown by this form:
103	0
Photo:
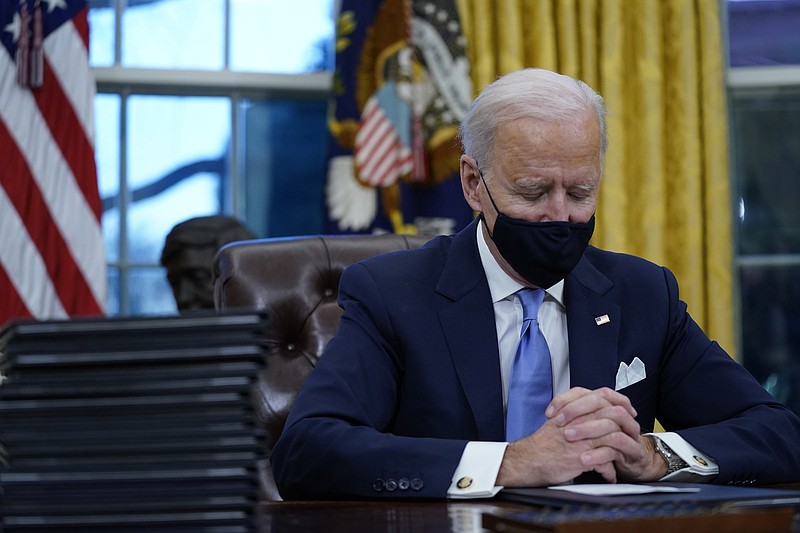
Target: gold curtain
659	66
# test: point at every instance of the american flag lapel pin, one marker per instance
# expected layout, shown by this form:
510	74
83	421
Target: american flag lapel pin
602	319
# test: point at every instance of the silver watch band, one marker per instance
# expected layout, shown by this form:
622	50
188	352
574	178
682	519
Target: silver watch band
673	460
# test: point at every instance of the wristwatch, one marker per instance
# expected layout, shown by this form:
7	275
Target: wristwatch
673	460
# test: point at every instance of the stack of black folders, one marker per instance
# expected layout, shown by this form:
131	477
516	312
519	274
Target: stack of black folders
130	424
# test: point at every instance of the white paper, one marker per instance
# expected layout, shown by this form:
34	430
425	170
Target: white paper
620	489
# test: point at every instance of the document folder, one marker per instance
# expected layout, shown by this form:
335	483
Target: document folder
707	494
709	508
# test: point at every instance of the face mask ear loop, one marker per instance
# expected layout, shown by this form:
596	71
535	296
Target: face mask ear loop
480	174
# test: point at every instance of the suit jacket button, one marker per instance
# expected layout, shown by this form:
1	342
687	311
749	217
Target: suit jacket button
417	484
403	483
391	485
379	485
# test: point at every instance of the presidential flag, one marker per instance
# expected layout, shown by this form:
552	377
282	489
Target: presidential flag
401	87
52	263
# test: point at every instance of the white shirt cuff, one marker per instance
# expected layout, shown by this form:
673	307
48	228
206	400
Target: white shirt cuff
700	467
477	471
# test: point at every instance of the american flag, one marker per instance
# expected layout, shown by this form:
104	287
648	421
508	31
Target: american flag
52	263
382	156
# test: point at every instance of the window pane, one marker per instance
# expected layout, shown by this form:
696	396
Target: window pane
764	32
282	37
284	165
174	34
149	292
766	128
101	23
112	305
177	166
771	320
106	147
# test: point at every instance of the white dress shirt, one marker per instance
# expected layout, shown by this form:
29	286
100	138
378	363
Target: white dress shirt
480	462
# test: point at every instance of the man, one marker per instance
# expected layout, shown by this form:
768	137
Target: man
188	253
410	397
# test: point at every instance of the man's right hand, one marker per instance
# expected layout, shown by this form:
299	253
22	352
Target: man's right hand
586	430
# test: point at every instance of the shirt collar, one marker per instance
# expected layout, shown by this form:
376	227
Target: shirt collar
501	285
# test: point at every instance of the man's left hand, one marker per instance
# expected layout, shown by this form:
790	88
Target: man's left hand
598	416
649	468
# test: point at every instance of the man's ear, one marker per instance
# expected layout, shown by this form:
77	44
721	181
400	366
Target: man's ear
470	181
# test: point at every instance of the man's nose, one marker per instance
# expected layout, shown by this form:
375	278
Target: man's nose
557	210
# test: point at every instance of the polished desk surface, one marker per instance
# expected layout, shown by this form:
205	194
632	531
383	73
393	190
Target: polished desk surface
378	516
466	516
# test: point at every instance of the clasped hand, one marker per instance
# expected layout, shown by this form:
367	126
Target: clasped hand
586	430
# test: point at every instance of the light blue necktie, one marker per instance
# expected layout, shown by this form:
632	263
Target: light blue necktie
531	387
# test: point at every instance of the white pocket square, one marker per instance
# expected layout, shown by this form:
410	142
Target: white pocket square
627	375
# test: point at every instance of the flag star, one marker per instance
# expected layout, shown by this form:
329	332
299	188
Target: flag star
52	4
14	28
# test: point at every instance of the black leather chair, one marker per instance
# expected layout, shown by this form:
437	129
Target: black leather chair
295	281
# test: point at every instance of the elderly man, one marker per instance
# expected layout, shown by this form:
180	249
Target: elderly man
514	354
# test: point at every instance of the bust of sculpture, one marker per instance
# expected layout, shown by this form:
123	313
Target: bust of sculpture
188	253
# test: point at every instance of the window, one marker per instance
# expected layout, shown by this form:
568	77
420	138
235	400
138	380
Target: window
205	107
764	87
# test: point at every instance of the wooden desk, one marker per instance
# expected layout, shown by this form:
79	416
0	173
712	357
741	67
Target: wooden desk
377	516
466	517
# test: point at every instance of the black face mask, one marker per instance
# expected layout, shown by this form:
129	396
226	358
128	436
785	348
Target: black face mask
541	252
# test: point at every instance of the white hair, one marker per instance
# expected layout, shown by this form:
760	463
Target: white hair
528	93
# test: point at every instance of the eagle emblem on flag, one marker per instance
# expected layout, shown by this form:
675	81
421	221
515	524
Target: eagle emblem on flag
401	87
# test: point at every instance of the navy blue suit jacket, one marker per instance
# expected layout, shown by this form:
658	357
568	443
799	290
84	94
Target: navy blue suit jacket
413	374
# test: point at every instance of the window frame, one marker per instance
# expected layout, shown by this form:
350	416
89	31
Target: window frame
743	82
237	86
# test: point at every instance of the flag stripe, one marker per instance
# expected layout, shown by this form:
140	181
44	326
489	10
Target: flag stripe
376	138
369	155
41	230
81	22
368	120
24	267
75	218
10	304
66	130
69	61
381	157
394	163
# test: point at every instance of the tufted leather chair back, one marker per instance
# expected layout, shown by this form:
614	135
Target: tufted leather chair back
295	280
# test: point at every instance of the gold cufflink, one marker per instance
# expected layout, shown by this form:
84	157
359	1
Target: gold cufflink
464	482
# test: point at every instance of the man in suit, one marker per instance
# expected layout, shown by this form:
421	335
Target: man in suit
411	396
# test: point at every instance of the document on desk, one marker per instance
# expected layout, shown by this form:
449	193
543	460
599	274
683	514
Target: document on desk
620	489
649	493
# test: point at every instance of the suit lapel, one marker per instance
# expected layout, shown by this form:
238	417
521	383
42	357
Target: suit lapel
467	321
593	343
